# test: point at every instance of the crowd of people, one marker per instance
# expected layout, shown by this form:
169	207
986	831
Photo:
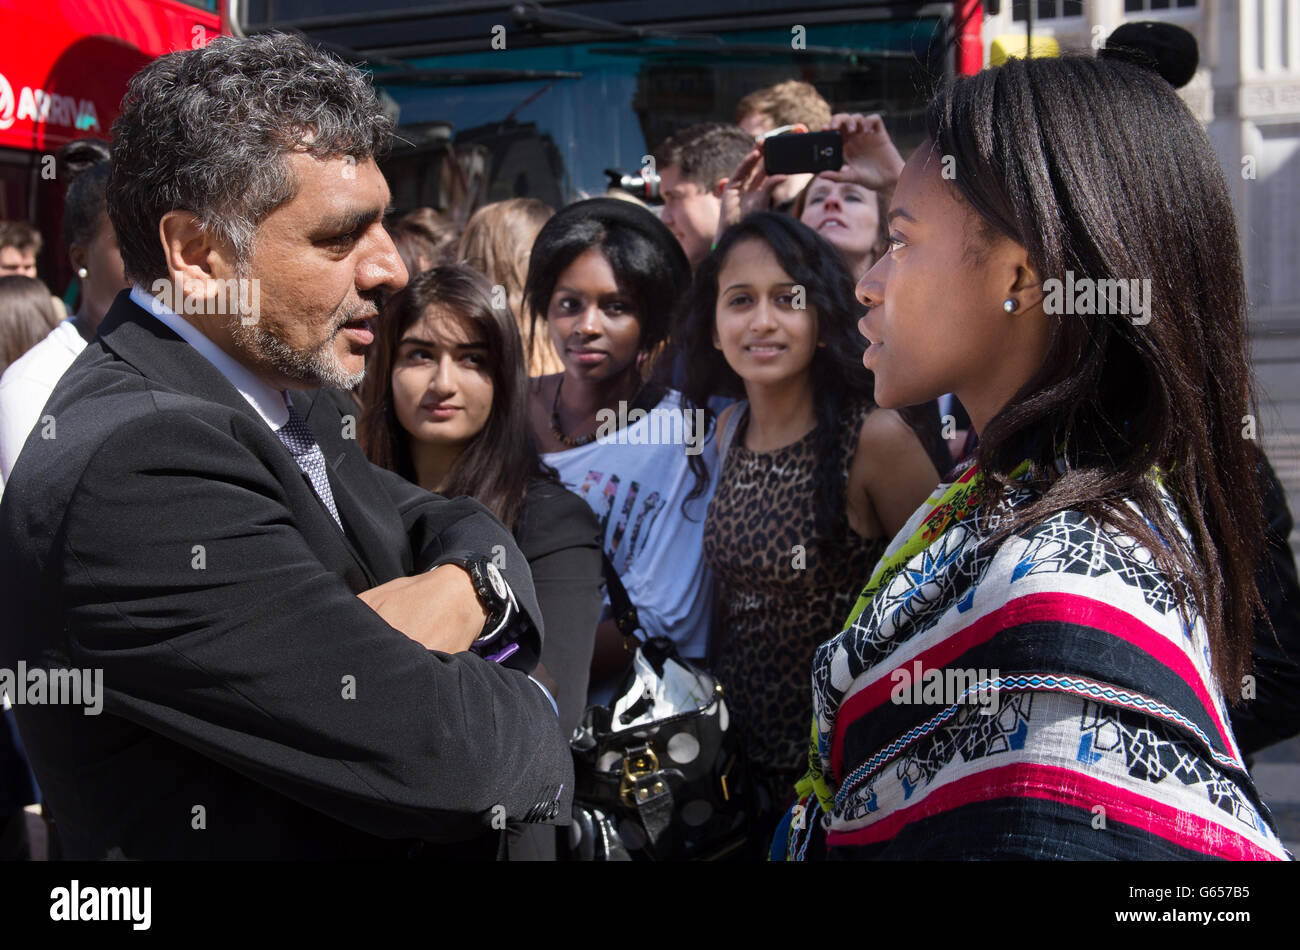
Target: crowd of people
821	427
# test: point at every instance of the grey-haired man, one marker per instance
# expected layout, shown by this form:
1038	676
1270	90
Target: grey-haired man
284	629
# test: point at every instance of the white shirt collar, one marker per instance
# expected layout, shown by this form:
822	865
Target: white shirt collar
269	402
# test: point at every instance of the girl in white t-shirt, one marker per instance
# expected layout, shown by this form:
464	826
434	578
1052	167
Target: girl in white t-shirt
604	280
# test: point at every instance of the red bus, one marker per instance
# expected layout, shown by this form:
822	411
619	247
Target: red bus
63	69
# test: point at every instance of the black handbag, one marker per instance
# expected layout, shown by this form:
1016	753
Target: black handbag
660	771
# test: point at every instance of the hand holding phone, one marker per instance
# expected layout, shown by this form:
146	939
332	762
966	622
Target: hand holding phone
794	153
870	158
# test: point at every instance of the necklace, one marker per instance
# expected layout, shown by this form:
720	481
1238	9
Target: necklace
574	442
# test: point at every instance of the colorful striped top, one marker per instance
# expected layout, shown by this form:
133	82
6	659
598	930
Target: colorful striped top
1043	698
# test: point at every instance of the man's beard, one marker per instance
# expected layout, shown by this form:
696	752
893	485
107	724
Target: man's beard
319	366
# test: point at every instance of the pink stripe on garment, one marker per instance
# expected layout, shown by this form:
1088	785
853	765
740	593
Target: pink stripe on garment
1053	783
1066	608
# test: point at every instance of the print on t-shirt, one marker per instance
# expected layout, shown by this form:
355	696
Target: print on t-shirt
607	489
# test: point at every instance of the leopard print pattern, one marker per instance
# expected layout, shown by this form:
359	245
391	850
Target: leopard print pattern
782	591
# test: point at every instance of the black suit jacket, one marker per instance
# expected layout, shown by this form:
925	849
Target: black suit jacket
253	706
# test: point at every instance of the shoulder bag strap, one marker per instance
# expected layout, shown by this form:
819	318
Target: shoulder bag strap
620	605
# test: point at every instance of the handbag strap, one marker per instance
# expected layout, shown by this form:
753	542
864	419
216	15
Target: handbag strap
624	611
620	604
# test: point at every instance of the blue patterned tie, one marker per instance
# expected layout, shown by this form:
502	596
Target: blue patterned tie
298	439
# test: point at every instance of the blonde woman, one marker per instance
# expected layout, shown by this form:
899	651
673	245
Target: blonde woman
496	243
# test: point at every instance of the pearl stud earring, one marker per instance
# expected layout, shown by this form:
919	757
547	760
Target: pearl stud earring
81	272
1009	305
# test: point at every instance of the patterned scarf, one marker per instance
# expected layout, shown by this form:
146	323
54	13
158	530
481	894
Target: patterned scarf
1106	705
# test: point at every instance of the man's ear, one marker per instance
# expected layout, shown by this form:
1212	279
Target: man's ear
197	261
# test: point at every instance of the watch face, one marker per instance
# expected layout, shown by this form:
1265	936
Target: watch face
498	582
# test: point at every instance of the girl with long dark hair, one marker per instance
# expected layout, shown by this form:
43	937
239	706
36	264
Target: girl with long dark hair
1040	664
446	406
604	280
814	480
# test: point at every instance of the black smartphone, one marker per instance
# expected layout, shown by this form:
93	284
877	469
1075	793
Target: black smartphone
794	153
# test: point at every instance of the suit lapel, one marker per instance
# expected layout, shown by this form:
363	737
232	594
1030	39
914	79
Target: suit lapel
355	491
154	349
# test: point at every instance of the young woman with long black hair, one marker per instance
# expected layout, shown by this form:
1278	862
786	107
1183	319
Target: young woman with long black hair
814	482
604	281
446	406
1040	664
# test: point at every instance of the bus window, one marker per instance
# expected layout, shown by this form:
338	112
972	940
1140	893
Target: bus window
551	119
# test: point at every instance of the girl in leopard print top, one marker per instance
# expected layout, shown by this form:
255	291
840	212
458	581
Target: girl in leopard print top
815	479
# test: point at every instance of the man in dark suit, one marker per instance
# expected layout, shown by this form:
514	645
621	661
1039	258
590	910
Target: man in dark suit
283	629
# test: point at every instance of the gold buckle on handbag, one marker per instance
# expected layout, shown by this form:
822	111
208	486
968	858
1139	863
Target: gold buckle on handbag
637	764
